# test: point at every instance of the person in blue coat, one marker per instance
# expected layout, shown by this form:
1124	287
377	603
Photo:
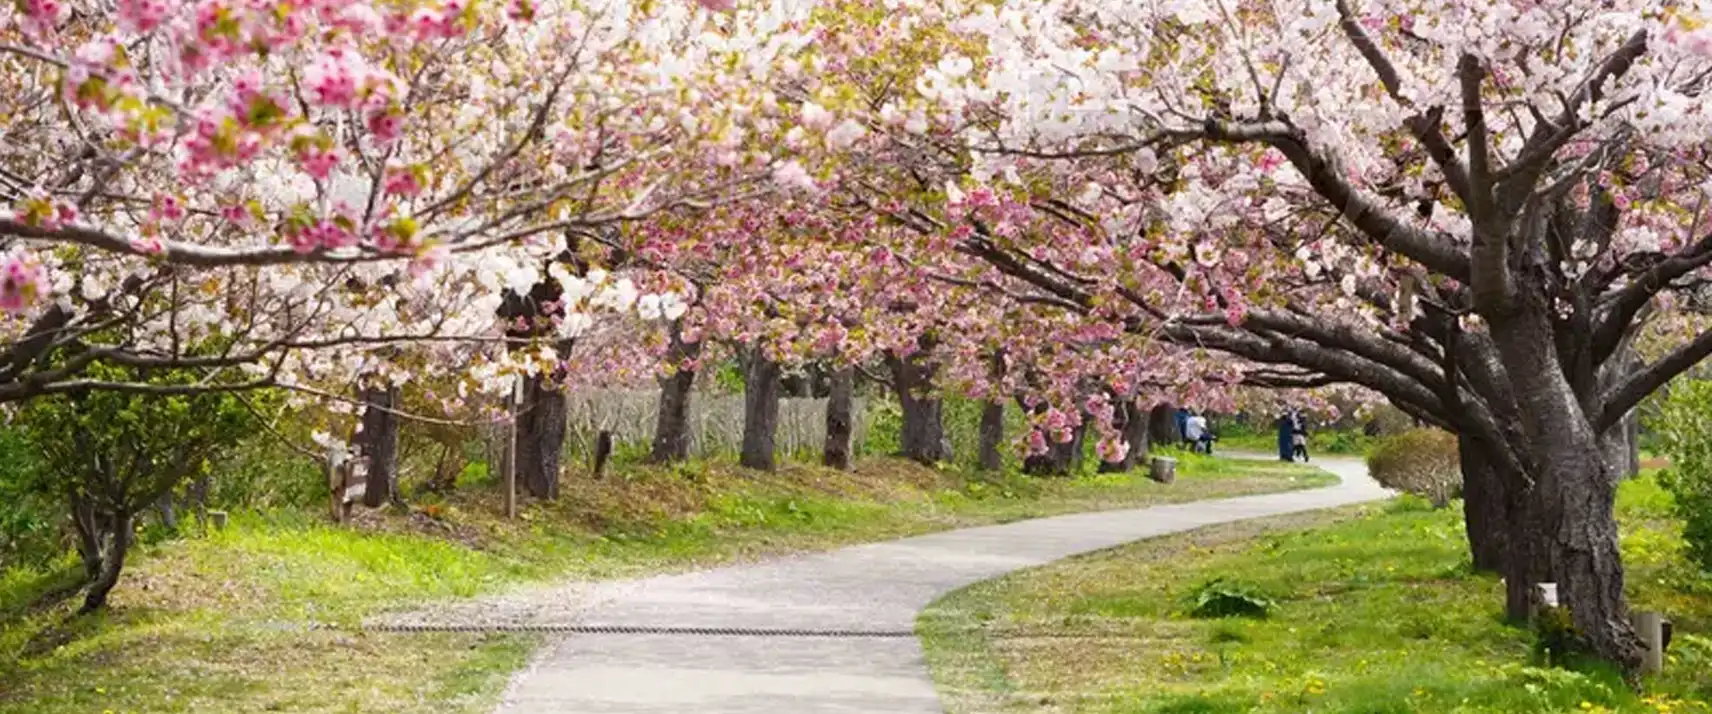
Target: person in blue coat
1286	436
1183	424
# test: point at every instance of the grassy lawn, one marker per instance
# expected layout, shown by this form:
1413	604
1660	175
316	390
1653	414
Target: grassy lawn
213	623
1374	612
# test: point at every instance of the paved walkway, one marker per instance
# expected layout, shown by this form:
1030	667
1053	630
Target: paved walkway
877	588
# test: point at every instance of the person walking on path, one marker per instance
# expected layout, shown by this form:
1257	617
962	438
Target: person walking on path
1298	437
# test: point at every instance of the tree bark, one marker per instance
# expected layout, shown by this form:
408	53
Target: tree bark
1569	511
760	411
672	421
112	560
379	442
1621	447
89	527
1132	425
540	437
840	419
923	435
1484	508
992	436
168	510
1162	425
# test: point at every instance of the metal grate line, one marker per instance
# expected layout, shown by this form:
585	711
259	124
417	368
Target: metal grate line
644	630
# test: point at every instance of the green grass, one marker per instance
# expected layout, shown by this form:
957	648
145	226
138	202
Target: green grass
1375	611
213	622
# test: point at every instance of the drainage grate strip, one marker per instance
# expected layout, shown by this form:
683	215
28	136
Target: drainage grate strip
645	630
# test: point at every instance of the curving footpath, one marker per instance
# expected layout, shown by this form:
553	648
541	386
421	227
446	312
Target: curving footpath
849	614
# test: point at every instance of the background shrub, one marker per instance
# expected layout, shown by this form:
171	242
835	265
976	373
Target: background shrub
1684	428
1419	461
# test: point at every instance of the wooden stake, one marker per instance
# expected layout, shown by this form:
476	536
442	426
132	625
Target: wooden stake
1650	626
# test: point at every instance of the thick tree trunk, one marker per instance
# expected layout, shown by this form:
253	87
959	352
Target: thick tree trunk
379	442
1569	512
541	437
1527	557
1162	425
1576	496
672	422
1484	508
923	434
1132	424
760	411
1041	464
112	559
992	436
840	419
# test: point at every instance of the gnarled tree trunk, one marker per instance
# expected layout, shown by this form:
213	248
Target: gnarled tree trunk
992	436
1162	425
113	545
378	441
923	434
1569	512
540	436
760	410
1485	510
840	418
672	421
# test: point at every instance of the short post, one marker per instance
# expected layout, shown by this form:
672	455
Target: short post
1547	593
1650	627
511	451
1162	469
218	518
333	466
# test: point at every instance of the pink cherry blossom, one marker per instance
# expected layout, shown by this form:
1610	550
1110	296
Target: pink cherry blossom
22	282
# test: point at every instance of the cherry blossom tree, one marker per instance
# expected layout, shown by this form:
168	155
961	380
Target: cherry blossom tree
261	185
1469	208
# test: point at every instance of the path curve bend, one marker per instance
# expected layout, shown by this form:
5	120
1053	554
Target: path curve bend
877	588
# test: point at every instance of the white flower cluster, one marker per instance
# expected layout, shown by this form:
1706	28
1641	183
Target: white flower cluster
598	291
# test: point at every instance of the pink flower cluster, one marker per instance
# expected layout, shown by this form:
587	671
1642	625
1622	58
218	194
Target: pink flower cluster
143	16
43	17
445	22
322	235
23	282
